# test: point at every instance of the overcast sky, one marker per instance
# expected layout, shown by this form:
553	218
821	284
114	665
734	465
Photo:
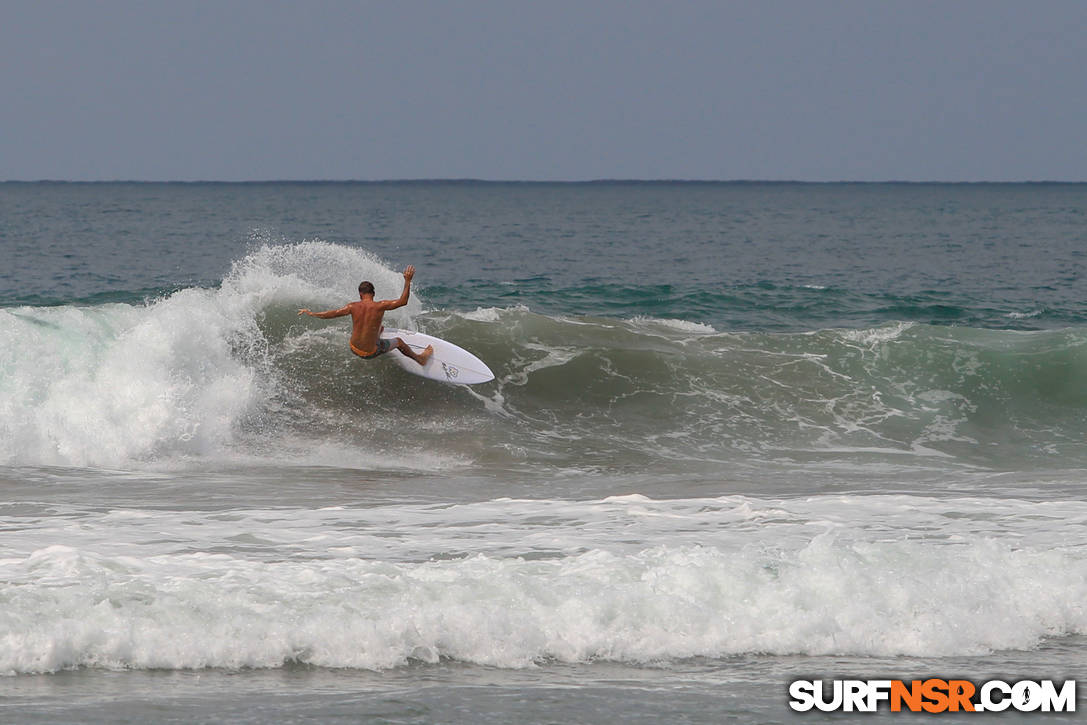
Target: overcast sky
955	90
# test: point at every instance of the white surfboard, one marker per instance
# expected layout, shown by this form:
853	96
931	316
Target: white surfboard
449	363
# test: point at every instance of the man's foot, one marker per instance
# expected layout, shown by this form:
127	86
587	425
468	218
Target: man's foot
425	355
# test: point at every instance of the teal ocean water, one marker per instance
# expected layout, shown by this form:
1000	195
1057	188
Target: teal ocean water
739	434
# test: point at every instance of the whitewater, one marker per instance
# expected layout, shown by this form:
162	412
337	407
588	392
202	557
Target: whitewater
210	506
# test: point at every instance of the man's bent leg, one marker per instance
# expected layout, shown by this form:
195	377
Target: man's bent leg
420	358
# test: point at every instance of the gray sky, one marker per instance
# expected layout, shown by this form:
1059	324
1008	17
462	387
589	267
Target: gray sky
956	90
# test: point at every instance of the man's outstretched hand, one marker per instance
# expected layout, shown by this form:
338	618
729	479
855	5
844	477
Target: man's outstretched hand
409	272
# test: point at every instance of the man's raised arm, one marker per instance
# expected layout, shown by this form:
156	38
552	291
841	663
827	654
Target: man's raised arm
409	272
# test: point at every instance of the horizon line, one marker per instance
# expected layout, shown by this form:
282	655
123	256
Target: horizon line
482	181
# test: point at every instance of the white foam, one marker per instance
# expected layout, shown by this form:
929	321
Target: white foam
663	602
875	336
512	583
483	314
1024	315
104	385
116	384
491	314
697	328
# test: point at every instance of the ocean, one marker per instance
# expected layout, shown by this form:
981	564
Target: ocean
740	434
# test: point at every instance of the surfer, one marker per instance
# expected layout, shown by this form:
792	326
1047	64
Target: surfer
366	314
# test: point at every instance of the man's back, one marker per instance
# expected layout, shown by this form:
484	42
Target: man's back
366	316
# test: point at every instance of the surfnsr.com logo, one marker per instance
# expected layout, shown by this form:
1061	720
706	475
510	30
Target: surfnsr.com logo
933	695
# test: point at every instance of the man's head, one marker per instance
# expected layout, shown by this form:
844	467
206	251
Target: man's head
366	288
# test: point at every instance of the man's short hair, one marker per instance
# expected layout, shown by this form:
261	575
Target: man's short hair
366	288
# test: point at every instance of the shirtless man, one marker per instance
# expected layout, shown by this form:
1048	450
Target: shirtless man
366	328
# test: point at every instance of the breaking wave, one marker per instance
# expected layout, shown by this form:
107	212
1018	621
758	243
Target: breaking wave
233	371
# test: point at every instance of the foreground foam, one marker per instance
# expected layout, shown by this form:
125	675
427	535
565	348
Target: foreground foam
513	583
659	603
